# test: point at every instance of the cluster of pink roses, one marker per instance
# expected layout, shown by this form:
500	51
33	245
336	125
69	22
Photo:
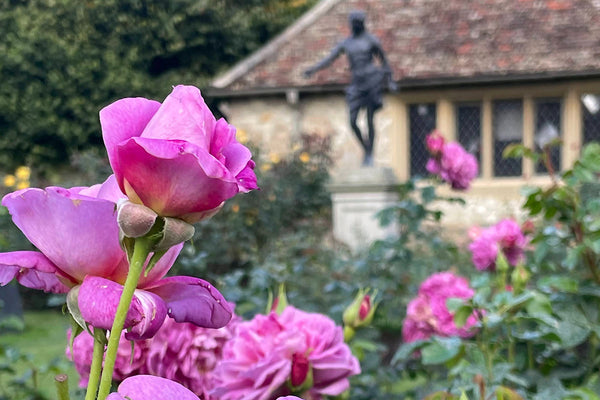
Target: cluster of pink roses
271	355
450	161
182	352
177	164
428	315
506	237
173	158
174	164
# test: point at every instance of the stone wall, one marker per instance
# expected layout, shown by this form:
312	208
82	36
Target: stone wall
273	123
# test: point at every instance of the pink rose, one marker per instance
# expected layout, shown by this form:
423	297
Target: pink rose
257	361
458	167
450	161
433	166
77	234
506	236
125	365
511	239
174	157
330	358
435	143
269	352
484	250
428	314
413	330
187	354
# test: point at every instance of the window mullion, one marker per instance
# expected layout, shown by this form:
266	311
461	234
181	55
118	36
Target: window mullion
487	140
528	134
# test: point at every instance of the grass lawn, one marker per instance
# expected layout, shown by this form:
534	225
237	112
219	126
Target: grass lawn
44	339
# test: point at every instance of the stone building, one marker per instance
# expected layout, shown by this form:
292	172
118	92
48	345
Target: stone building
486	73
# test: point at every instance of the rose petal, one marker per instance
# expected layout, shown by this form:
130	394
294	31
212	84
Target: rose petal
79	234
184	116
247	178
123	119
202	183
335	387
154	312
32	270
147	387
98	300
236	157
109	190
224	134
193	300
162	267
269	375
115	396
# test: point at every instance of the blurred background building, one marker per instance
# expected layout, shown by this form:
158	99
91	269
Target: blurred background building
487	73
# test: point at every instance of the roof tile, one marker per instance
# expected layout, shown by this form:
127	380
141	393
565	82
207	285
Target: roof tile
442	38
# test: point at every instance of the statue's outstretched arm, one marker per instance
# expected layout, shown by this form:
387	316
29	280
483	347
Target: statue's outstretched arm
327	61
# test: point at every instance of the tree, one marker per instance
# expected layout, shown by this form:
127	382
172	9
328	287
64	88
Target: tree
63	60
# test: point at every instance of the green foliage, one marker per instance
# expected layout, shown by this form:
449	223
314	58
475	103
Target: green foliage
280	234
538	328
63	60
30	358
292	200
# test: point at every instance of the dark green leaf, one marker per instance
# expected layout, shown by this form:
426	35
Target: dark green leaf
461	315
441	350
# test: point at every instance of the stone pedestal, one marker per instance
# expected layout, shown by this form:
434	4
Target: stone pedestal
357	196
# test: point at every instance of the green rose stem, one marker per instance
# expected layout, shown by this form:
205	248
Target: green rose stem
96	368
62	386
141	250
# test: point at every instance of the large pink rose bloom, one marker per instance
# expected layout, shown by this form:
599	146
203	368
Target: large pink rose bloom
77	235
428	315
187	354
126	364
505	236
174	157
270	353
329	356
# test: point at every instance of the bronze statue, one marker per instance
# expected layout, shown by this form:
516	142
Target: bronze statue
368	79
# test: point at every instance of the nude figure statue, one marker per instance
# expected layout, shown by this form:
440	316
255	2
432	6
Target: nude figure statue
368	79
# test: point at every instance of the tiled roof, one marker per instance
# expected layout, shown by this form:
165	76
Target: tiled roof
433	39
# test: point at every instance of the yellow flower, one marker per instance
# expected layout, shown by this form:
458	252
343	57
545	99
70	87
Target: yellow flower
10	180
266	167
235	208
23	185
304	157
275	158
23	173
241	136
